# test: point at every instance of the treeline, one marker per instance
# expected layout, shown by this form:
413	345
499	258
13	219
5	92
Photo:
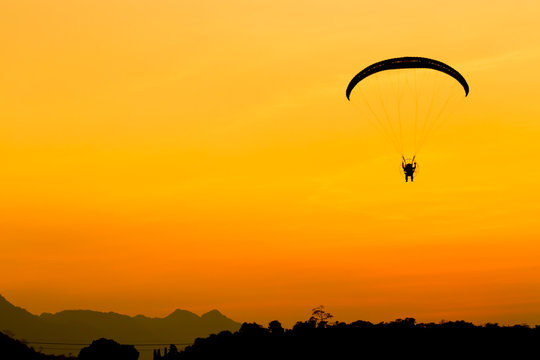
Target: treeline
316	339
11	349
403	338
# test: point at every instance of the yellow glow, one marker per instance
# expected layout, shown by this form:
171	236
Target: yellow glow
165	154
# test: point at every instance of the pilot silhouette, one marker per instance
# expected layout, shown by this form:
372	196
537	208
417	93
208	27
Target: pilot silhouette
408	168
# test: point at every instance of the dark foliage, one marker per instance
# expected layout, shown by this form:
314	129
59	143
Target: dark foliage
105	349
11	349
403	338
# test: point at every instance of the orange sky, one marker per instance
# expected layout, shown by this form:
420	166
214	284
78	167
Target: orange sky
187	154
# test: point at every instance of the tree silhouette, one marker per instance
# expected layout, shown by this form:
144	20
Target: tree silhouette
275	328
320	316
105	349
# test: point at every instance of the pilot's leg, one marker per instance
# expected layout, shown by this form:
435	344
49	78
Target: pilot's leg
411	178
406	177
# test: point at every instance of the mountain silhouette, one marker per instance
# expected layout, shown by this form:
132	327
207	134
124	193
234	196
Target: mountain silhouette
84	326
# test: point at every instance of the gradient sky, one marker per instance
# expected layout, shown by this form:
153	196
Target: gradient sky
163	154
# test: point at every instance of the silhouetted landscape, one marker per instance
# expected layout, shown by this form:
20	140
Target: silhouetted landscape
316	338
402	338
85	326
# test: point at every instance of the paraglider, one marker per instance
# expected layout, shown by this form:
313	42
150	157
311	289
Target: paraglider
407	97
409	167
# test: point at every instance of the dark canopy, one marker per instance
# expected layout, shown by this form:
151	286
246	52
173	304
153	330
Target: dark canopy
407	63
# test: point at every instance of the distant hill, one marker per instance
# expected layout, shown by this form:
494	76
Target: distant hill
84	326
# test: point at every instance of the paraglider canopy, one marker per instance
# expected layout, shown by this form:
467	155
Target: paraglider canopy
407	62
